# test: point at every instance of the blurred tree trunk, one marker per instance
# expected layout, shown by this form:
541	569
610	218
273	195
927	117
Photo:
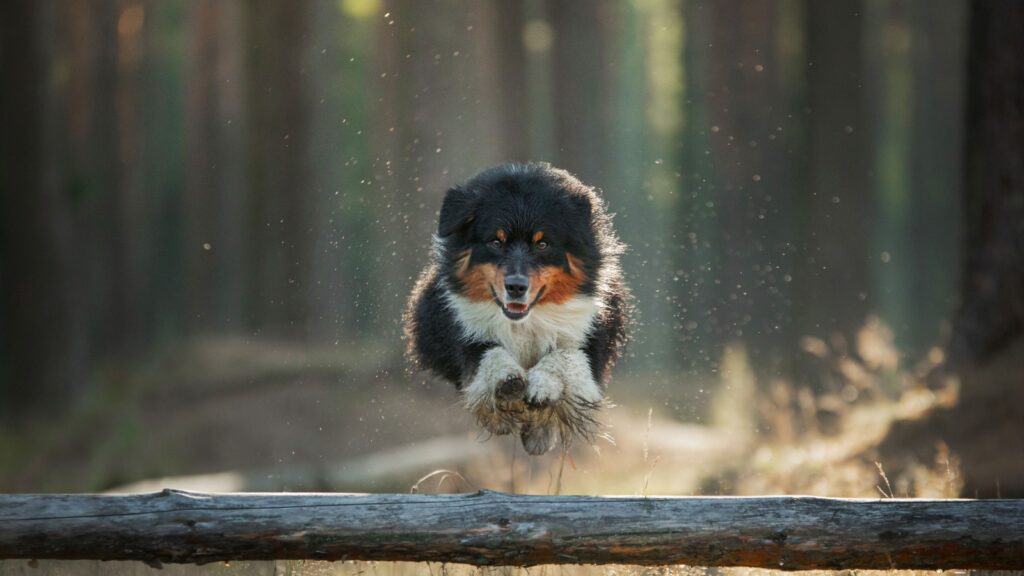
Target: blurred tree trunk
987	346
344	269
936	146
86	177
694	218
394	110
128	209
103	41
746	110
833	264
583	69
214	193
335	166
43	365
112	320
646	77
986	428
277	35
428	134
991	315
111	173
501	31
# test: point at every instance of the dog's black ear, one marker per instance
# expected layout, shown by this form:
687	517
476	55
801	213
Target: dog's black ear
456	211
583	206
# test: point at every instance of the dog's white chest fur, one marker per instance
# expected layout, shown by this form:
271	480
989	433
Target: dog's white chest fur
548	326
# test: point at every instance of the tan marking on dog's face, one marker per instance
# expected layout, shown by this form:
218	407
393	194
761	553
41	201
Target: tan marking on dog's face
538	236
479	280
561	285
502	235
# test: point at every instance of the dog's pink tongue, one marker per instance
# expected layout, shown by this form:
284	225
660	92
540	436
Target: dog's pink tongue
515	307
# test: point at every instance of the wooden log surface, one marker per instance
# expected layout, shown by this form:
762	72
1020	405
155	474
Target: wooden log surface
491	528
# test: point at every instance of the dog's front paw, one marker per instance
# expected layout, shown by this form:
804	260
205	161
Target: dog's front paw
544	386
509	396
495	395
563	400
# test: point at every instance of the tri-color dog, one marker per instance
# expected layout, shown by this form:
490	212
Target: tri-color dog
523	306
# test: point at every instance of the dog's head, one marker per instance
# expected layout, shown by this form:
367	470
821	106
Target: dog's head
521	236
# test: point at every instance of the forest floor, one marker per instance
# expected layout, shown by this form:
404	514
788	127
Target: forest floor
290	419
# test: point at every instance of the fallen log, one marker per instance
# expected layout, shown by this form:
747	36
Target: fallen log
491	528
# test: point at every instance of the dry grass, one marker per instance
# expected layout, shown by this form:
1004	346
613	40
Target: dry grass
763	439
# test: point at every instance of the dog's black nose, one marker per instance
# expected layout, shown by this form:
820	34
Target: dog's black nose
516	286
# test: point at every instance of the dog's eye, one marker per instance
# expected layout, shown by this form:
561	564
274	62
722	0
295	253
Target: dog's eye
495	243
542	245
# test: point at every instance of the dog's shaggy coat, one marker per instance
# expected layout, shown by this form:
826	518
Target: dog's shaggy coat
523	306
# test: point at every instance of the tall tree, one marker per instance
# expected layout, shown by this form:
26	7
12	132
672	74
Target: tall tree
583	69
336	167
42	358
991	315
114	316
85	51
833	263
214	182
745	117
936	136
645	86
694	214
987	346
277	33
104	46
986	428
501	30
127	207
432	131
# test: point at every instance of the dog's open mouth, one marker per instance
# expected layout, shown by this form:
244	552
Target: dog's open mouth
517	310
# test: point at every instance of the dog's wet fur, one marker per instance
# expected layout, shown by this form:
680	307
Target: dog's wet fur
523	306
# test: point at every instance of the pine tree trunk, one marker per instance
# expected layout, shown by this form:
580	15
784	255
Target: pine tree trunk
42	360
428	136
694	213
278	111
745	118
833	260
504	21
987	346
214	195
986	428
992	311
936	146
582	76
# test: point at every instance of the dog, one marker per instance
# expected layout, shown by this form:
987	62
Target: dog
523	306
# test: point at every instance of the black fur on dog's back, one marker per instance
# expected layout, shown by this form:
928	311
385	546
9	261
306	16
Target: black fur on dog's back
573	215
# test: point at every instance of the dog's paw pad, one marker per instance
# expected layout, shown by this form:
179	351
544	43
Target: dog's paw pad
508	398
512	388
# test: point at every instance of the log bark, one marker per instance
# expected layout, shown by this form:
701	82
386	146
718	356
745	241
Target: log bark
490	528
